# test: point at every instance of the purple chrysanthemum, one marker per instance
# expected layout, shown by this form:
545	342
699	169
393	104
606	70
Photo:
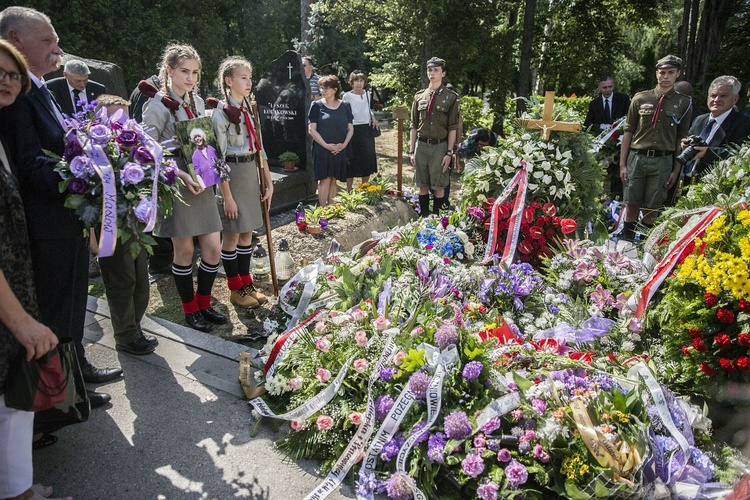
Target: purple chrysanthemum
387	373
418	383
472	465
398	487
446	335
420	429
516	473
436	447
457	425
472	370
488	491
382	406
391	448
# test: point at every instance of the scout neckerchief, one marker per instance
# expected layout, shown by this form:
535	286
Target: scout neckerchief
658	109
431	103
251	134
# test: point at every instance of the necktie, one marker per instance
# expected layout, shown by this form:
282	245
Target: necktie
657	111
429	106
607	111
706	132
76	98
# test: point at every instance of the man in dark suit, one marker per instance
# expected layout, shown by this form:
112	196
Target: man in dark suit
59	252
722	126
74	87
607	108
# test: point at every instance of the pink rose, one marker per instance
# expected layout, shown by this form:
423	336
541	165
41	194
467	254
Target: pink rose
417	331
298	425
296	383
361	338
323	344
394	239
360	365
398	358
355	417
358	314
323	375
320	326
324	422
381	323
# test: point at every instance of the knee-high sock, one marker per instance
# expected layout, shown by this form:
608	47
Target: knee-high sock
206	276
244	255
229	259
183	280
438	205
424	205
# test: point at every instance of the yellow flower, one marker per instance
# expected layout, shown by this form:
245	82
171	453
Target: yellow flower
744	217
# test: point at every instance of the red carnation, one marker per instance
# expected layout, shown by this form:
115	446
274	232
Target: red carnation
699	345
710	299
744	306
722	340
686	350
725	316
706	368
744	339
726	364
743	363
694	332
568	226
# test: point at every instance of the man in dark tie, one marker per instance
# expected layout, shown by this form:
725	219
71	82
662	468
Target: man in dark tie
607	108
721	127
59	251
74	87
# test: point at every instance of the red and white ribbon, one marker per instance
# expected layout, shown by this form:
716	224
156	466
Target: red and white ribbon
514	223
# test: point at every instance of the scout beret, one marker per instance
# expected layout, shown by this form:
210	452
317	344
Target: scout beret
669	60
436	61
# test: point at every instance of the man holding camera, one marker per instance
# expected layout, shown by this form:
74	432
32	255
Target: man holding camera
657	120
712	133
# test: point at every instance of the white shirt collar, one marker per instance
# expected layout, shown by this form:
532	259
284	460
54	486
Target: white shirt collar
37	81
720	119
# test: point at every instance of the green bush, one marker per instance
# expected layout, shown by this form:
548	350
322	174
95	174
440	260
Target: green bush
473	113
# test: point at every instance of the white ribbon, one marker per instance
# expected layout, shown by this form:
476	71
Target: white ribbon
102	167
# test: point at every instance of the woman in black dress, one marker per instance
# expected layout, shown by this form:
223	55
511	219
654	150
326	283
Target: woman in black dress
331	128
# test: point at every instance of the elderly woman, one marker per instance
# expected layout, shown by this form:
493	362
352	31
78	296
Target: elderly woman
363	162
204	159
331	128
20	329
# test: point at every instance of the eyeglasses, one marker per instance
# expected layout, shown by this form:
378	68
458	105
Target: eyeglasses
15	78
325	88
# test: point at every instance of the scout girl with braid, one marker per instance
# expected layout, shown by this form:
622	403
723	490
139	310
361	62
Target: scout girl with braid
180	73
241	211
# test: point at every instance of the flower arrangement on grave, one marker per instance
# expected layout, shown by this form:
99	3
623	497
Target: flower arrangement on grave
701	326
142	182
375	189
561	171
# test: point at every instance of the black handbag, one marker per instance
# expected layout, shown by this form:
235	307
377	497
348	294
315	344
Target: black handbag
36	385
75	408
375	130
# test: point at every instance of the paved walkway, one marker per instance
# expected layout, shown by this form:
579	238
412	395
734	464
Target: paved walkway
177	427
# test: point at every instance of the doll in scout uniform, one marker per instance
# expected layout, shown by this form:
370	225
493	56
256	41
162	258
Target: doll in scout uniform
197	216
434	130
657	120
240	206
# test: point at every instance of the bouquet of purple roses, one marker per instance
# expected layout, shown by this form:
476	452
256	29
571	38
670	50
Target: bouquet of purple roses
116	179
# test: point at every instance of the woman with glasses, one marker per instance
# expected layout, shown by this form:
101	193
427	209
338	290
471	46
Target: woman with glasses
331	128
363	162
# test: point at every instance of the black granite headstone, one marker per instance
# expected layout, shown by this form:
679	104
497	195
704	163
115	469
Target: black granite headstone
281	94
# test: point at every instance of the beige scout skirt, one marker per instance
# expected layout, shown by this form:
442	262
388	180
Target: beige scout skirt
243	181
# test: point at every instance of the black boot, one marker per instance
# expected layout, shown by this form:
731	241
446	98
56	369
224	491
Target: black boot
424	205
628	232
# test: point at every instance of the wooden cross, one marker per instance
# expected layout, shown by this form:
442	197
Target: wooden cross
547	124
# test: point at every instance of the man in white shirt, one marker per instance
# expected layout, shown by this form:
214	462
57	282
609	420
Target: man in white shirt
607	108
74	87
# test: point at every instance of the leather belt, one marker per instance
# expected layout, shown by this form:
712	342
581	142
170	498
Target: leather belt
651	153
239	159
431	141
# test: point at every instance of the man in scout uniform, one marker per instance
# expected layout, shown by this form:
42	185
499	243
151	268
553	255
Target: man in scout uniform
434	126
657	120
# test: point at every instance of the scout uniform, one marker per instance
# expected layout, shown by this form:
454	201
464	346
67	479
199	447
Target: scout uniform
658	122
433	114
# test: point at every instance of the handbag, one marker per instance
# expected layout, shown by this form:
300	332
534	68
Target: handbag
375	130
35	385
75	408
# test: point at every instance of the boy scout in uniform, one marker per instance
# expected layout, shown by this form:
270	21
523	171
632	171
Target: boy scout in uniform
434	126
658	119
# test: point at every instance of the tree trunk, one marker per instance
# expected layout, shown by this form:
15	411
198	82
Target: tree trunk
682	32
713	24
305	38
524	67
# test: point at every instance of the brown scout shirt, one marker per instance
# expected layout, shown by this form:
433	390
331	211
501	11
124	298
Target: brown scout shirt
671	126
444	115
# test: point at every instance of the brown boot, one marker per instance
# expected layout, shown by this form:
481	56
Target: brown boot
242	298
252	292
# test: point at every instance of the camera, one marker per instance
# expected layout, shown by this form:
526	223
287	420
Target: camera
689	152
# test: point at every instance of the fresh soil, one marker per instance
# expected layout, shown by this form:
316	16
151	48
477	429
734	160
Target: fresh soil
245	325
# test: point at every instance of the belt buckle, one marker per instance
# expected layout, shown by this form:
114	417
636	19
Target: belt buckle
650	153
